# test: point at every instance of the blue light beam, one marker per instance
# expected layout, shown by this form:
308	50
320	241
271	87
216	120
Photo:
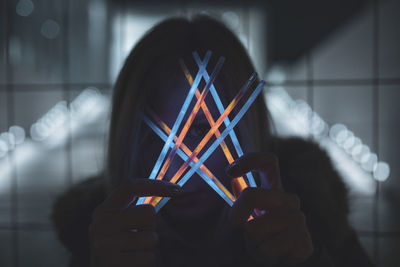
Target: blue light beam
218	141
184	157
178	121
221	109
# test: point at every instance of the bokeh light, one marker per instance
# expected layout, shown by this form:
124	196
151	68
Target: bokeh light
24	8
50	29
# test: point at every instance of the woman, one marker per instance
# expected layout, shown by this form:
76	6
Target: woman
306	219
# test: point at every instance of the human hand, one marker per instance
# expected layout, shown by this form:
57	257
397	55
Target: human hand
125	236
280	236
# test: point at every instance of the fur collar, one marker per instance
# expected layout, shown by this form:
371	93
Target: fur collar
306	170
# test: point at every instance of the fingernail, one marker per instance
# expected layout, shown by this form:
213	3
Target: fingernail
174	188
232	168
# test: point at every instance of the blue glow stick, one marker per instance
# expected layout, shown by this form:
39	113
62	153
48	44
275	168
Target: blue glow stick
182	154
178	121
190	120
218	141
221	109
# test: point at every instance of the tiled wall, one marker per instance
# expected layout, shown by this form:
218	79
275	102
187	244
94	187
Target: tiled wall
354	78
356	69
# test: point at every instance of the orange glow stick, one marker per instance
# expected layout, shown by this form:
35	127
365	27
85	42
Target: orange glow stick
206	173
207	137
206	112
190	120
210	133
238	184
188	152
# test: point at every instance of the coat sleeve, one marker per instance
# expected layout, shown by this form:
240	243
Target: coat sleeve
71	217
307	171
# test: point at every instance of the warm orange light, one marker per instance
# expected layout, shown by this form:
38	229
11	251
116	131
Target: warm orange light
190	120
188	152
238	184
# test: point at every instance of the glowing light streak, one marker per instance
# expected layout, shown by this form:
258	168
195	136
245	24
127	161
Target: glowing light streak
179	119
221	109
209	134
177	123
216	143
191	118
213	129
354	160
238	184
207	113
203	171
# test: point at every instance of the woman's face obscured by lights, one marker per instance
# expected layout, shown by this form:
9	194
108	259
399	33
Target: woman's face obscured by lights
197	200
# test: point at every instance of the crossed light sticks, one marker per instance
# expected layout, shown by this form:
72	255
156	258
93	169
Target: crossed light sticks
190	157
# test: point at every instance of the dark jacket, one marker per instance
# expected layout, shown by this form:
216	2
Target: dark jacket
306	170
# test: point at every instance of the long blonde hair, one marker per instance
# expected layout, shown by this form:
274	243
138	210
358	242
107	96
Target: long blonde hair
173	39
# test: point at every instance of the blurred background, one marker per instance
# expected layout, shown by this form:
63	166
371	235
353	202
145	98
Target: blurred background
333	73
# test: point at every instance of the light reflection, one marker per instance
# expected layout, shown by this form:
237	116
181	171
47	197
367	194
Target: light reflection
231	18
364	150
381	171
24	8
19	134
21	156
50	130
342	136
9	140
53	127
349	143
335	129
48	124
370	163
50	29
297	118
3	148
276	75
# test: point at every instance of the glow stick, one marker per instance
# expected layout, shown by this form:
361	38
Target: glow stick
213	129
204	172
207	112
178	121
217	142
190	120
220	107
209	134
238	184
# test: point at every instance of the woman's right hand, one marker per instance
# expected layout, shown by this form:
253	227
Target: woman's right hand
125	236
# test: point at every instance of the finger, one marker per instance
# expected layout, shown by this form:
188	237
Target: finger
260	198
265	226
274	249
140	217
268	225
125	242
290	247
126	192
264	162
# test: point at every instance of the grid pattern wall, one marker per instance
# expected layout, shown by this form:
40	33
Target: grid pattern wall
353	78
51	53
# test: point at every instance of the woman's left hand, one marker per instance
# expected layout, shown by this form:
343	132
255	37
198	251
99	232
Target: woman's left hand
280	236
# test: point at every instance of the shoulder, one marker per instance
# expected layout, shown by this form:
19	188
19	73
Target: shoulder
307	171
72	212
291	148
307	167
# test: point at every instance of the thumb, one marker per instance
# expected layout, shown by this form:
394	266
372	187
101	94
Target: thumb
266	163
